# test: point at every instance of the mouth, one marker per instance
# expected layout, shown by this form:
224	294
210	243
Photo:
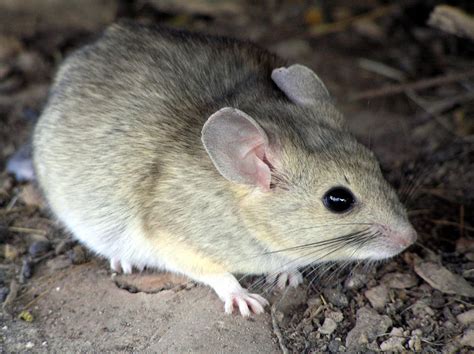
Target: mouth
391	242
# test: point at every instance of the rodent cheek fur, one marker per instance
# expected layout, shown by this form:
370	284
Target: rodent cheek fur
292	221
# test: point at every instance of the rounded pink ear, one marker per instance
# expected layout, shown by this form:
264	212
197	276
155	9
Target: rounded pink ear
237	146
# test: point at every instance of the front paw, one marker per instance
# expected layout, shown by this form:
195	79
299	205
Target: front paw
233	295
246	303
284	279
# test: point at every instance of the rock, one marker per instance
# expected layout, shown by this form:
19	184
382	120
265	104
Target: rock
469	256
395	342
314	302
33	65
334	346
355	281
39	248
377	296
336	297
443	280
3	293
290	300
400	280
335	315
421	308
466	318
468	274
63	246
328	326
369	324
414	343
60	262
464	245
30	195
20	165
77	255
26	269
467	340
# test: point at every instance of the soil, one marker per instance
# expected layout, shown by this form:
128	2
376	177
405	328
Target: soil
58	297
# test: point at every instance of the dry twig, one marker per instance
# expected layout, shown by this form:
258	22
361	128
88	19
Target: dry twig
277	331
452	20
417	85
343	24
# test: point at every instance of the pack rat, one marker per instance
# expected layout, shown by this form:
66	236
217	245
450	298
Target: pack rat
209	157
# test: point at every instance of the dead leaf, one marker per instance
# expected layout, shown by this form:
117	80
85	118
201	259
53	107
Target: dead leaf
443	280
150	283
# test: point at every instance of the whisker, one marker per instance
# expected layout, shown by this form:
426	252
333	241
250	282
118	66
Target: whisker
363	238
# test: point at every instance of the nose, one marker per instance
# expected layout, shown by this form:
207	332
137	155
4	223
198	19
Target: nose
407	237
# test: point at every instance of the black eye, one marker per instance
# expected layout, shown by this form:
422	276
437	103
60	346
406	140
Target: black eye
339	199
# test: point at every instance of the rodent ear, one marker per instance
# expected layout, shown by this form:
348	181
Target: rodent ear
237	145
301	85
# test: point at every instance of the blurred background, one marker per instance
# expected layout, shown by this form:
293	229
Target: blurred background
401	71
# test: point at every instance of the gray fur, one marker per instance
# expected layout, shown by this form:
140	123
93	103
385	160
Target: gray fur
120	141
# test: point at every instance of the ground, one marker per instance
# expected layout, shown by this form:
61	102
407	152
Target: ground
377	60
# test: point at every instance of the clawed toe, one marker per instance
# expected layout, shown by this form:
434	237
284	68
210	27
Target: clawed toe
284	279
121	266
247	303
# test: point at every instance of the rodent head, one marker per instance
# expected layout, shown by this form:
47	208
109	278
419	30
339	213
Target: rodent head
315	194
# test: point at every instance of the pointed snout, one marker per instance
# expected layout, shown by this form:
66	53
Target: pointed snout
405	237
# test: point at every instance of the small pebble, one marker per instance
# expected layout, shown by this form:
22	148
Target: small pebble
31	196
467	339
77	255
39	248
334	346
335	315
63	246
369	325
3	293
400	280
292	299
328	326
414	344
421	309
395	342
377	296
466	318
336	297
448	324
60	262
26	269
469	256
29	345
355	281
314	302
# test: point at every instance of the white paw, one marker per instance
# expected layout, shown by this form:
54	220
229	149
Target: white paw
233	295
245	302
284	279
121	266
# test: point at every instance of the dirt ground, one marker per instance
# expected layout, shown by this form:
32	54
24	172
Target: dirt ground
378	60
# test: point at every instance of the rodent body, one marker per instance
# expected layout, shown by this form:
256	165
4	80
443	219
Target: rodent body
124	162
